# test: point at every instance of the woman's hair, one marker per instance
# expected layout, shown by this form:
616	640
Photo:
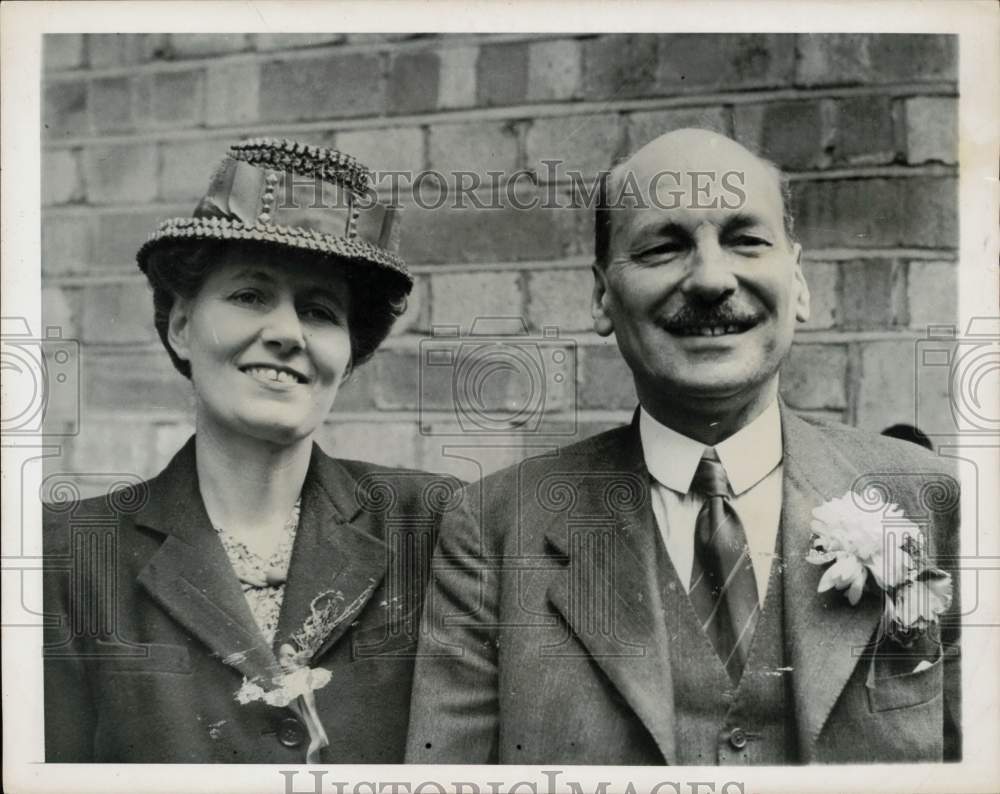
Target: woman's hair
377	297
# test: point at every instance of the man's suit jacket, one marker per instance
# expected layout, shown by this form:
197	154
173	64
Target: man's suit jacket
149	635
545	640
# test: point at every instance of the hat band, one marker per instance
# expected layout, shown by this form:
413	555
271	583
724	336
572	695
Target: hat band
257	196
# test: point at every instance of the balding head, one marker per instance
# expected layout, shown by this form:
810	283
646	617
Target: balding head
688	168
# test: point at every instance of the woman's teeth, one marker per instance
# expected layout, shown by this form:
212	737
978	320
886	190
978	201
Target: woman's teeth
270	375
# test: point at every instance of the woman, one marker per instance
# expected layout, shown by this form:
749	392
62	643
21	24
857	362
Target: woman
257	601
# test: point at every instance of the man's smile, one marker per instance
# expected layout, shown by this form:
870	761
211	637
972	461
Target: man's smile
709	330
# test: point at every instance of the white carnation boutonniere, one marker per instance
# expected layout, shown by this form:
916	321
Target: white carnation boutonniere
877	548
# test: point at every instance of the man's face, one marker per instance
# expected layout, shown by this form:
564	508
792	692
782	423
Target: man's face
702	288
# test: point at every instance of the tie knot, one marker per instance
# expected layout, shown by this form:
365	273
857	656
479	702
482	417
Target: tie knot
710	476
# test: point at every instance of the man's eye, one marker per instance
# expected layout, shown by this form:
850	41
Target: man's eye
749	241
661	250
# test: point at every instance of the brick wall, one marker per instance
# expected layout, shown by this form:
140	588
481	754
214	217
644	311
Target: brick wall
864	124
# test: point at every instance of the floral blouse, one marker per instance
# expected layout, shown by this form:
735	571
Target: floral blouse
263	581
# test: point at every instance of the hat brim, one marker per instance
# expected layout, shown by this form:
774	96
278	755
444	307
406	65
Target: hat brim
182	230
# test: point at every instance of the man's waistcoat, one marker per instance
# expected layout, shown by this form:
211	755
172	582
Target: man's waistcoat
717	722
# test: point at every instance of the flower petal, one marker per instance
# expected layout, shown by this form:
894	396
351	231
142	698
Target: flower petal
817	557
826	581
857	587
909	600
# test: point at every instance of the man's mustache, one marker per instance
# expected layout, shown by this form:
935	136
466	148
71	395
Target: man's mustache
693	316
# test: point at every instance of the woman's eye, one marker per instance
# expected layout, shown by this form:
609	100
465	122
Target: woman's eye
320	314
247	297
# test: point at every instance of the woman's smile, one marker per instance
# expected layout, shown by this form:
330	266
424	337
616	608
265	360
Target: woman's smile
274	374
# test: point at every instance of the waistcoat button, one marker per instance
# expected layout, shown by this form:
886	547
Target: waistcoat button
290	732
738	738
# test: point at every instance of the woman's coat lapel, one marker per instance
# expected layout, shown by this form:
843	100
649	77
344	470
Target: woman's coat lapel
190	577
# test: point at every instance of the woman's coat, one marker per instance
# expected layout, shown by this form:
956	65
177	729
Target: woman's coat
149	636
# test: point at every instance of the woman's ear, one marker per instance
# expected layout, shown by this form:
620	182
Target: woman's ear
177	328
603	324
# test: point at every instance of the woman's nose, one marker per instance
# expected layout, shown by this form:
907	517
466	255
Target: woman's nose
710	277
282	328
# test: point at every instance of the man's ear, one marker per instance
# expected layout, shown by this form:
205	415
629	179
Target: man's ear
603	324
177	328
802	298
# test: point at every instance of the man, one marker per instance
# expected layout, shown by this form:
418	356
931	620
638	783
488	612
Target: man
652	595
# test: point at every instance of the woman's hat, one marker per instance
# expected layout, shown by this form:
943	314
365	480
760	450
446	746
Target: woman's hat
303	197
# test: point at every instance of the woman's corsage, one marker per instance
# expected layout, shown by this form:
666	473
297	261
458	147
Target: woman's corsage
877	548
295	684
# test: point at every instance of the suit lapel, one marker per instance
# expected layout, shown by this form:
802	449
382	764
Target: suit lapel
609	592
338	558
824	632
190	575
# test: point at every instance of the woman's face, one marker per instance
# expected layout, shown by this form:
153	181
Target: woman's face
268	345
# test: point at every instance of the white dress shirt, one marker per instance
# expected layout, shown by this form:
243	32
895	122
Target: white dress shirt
752	460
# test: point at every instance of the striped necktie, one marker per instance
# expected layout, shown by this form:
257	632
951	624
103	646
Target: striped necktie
723	587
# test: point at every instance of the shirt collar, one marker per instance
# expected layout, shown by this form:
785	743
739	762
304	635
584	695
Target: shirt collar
748	455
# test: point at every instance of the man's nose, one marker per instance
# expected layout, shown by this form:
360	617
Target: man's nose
282	331
709	276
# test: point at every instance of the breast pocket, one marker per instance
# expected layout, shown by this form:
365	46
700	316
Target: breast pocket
141	658
905	690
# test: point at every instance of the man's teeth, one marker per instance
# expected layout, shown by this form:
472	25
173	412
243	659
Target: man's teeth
708	330
269	374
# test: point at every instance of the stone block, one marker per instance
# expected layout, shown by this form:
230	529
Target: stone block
561	298
931	130
502	74
790	134
457	80
121	173
413	82
873	294
170	99
63	51
386	149
477	147
328	86
932	290
554	70
815	377
60	177
64	109
111	104
605	381
118	314
584	144
67	243
187	166
232	94
460	298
